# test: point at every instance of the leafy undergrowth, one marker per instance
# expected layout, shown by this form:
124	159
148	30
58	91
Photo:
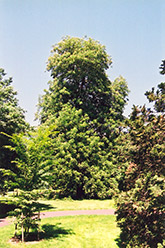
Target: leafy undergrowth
64	232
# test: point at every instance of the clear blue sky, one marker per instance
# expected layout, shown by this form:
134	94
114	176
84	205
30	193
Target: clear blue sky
133	32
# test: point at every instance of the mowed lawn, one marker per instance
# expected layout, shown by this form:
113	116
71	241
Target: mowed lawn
69	204
70	232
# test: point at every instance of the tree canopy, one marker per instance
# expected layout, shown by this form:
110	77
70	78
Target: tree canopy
162	67
78	68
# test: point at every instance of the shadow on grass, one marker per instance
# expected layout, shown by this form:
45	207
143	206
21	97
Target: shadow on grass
47	232
54	231
119	243
44	206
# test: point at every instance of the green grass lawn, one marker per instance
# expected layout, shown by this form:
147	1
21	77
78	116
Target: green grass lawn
70	232
69	204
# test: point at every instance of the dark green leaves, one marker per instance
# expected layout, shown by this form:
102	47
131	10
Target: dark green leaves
140	207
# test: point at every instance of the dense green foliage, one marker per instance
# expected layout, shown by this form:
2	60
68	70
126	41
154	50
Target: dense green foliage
12	121
81	166
140	207
87	109
78	68
33	163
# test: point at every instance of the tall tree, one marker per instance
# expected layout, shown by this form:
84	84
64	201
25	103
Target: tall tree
12	120
80	83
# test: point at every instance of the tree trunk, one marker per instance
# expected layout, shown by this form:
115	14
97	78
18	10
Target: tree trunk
22	234
23	239
15	234
38	237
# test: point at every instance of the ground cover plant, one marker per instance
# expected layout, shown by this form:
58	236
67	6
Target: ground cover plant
64	232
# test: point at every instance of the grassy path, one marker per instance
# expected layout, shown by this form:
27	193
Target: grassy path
69	207
78	212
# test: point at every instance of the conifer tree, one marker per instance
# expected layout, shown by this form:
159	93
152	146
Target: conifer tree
140	206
